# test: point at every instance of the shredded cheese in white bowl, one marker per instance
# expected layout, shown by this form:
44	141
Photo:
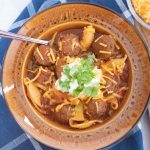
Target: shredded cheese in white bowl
140	9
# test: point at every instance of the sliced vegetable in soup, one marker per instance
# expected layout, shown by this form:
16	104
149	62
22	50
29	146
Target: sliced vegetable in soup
80	79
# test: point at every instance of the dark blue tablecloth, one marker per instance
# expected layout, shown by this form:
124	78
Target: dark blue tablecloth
11	135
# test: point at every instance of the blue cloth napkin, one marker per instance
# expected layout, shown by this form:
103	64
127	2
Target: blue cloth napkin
11	135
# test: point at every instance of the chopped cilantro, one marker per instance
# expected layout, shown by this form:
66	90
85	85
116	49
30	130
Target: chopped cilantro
82	71
91	91
66	70
64	85
76	92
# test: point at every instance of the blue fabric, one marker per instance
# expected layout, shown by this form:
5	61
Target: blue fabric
132	142
11	135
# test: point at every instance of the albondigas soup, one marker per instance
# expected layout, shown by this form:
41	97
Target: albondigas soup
80	79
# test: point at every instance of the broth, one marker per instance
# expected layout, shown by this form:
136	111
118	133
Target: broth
80	79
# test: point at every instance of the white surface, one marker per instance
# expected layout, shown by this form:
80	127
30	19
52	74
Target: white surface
10	10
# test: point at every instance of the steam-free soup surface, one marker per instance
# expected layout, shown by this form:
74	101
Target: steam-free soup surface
80	79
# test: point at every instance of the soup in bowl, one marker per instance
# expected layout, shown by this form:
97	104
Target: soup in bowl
80	80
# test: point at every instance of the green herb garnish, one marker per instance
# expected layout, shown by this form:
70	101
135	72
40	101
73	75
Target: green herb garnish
81	71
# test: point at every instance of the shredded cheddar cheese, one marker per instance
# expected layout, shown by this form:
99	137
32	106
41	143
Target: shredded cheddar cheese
115	66
58	107
110	92
33	71
50	79
47	93
117	46
52	55
43	69
37	49
41	86
98	38
110	79
97	108
88	100
102	44
75	102
48	54
69	59
123	89
117	95
73	98
57	58
60	45
142	7
107	69
105	52
35	78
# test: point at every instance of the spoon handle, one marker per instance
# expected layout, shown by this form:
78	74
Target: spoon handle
21	37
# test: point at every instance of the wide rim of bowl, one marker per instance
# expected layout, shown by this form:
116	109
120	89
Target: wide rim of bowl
116	13
136	16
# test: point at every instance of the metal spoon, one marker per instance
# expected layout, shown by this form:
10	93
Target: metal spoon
21	37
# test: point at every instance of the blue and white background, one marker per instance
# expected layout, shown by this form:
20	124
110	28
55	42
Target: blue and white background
13	14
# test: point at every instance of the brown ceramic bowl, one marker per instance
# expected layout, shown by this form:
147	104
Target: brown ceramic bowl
43	26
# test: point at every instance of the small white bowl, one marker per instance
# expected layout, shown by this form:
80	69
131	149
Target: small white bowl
136	16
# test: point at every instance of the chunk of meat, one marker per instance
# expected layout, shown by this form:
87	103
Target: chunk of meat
96	109
59	67
44	76
64	114
45	55
104	47
57	97
111	82
111	86
114	82
30	74
69	44
85	54
125	75
49	103
45	102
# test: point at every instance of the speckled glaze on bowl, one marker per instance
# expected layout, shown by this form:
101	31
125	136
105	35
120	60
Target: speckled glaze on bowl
27	117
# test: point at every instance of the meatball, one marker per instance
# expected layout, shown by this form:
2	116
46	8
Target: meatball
49	103
59	67
112	85
45	103
64	114
57	97
44	76
43	55
104	43
69	44
85	54
31	74
96	109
